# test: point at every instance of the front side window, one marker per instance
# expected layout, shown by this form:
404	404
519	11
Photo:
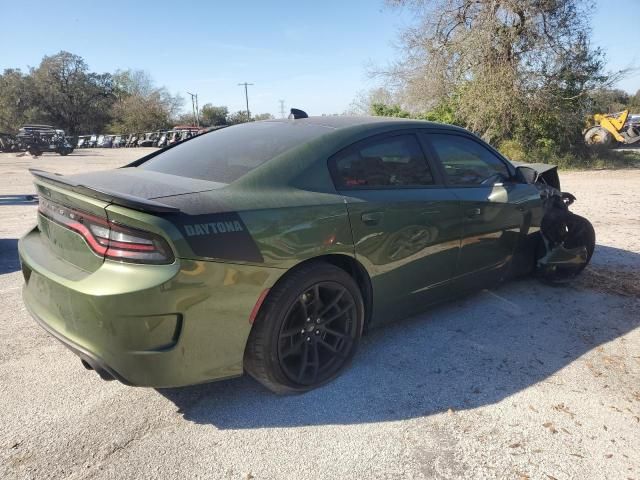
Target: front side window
466	162
389	162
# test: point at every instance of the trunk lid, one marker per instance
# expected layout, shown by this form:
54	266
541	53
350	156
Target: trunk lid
140	183
88	195
59	240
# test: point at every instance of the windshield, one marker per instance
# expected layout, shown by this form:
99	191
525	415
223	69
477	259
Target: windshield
227	154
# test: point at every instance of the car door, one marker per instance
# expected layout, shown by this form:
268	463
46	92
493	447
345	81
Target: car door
405	224
496	208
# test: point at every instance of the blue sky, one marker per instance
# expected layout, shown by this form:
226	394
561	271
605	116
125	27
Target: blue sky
314	55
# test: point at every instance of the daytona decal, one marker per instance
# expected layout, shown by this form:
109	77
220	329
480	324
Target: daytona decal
218	236
212	228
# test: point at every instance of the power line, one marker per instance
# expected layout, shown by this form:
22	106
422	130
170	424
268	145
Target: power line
246	96
281	108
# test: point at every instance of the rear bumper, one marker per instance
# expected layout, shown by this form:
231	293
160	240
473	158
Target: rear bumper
88	358
147	325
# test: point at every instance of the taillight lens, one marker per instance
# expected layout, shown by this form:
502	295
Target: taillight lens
110	239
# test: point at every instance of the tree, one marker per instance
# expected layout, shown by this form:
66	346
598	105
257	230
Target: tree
212	116
384	110
263	116
506	69
365	100
238	117
609	100
141	106
70	96
17	105
634	103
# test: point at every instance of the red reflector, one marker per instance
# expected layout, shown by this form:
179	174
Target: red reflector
256	307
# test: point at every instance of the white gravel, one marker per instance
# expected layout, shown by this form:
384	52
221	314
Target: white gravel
524	381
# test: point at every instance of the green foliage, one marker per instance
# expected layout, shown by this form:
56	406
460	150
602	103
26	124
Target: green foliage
382	110
238	117
609	101
521	74
513	150
69	95
634	103
212	116
263	116
17	101
598	159
140	106
442	113
61	91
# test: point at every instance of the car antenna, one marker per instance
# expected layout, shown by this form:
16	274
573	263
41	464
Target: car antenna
295	114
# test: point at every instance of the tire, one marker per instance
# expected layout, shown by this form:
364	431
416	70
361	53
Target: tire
598	136
290	351
581	234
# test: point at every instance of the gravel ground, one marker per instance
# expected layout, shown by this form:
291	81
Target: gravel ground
524	381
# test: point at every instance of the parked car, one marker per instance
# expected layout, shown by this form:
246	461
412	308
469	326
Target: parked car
148	139
8	142
182	132
270	247
37	139
133	140
83	141
118	141
162	139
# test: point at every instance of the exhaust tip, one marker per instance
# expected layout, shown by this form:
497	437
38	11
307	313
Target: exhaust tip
104	375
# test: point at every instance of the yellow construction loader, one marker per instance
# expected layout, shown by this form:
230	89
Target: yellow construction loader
615	128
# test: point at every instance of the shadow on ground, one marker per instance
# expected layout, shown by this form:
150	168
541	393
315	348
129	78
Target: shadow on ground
9	255
473	352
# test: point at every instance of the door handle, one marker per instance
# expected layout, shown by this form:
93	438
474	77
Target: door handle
371	218
473	212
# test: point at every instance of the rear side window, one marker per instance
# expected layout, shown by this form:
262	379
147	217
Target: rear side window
466	162
227	154
389	162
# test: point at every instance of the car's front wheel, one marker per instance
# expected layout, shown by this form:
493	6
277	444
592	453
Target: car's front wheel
307	330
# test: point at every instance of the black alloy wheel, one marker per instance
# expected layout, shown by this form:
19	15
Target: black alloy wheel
307	331
317	334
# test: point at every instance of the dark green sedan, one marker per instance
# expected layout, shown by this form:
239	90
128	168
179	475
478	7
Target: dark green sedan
270	247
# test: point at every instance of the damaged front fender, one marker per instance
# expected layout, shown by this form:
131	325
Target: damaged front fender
568	240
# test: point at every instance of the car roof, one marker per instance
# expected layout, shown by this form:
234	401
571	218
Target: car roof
345	121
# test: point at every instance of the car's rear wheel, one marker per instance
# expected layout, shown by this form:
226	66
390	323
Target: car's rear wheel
307	330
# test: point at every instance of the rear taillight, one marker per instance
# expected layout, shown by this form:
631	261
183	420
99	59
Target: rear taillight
109	239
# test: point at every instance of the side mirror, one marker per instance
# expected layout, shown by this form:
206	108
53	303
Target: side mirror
526	174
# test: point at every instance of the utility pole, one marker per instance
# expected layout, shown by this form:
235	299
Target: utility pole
281	108
194	107
246	96
197	113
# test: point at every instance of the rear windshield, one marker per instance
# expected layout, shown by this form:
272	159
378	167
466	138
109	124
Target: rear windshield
227	154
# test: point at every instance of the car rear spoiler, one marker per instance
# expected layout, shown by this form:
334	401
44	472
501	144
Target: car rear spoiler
116	198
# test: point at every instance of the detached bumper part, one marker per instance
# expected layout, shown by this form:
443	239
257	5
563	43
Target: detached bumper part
568	260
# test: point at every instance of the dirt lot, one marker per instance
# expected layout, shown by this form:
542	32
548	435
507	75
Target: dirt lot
525	381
